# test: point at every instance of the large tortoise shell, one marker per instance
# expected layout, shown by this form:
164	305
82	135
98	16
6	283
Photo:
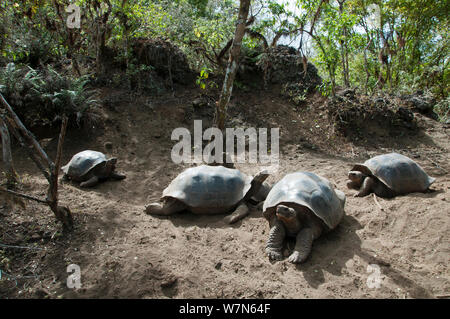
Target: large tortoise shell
82	162
309	190
205	187
398	172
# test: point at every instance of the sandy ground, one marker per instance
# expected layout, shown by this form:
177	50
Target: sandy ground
124	253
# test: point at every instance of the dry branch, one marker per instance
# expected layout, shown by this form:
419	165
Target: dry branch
29	150
42	201
256	35
10	173
29	142
435	164
376	202
17	124
20	247
52	196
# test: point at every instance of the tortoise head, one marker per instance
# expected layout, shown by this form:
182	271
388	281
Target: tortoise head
111	164
286	214
259	179
357	177
256	184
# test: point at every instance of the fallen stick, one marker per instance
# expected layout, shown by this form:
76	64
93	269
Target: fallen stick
20	247
381	210
2	189
2	273
435	164
376	202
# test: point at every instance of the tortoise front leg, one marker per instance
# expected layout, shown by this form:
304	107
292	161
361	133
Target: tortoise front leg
367	187
352	184
168	208
117	176
303	246
94	180
240	212
274	246
65	178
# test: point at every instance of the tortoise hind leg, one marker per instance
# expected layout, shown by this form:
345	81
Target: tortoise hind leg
240	212
94	180
169	207
382	190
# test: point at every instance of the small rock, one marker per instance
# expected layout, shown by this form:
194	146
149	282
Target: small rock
218	265
168	283
108	145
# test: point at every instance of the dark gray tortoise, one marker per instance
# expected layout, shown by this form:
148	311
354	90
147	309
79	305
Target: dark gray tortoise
301	205
91	167
388	175
209	189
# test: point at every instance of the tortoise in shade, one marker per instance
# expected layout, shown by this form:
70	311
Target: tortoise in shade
388	175
91	167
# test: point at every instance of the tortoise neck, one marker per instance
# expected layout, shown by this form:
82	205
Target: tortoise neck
293	226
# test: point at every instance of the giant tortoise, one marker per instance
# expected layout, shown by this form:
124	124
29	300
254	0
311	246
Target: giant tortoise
301	205
90	168
388	175
207	189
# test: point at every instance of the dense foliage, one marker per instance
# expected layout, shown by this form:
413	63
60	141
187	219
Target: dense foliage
396	46
40	97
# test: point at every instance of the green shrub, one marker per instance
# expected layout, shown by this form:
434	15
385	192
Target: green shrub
442	109
41	97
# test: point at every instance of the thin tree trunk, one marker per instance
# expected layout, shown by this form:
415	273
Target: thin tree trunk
344	68
10	173
344	48
230	73
61	212
69	37
332	72
346	63
366	67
